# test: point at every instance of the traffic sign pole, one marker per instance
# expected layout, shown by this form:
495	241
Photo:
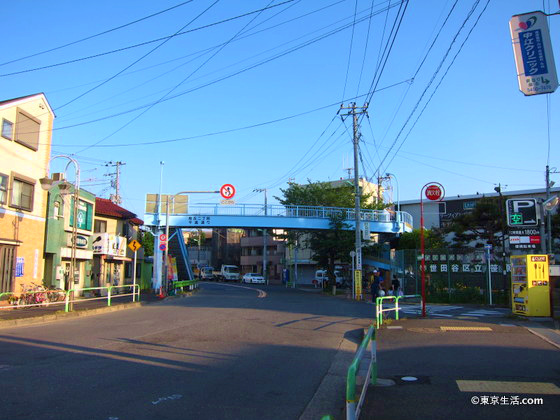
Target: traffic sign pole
134	278
434	192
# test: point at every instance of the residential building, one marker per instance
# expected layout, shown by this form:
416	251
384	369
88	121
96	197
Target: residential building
252	247
25	147
114	227
58	238
225	246
441	214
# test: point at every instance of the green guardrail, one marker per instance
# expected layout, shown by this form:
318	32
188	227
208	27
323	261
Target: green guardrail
135	294
379	306
191	284
353	404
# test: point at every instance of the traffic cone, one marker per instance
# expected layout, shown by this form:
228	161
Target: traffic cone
161	295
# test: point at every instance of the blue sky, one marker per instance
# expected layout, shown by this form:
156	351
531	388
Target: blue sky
253	101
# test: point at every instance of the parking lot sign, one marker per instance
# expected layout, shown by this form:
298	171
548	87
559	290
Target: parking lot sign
522	212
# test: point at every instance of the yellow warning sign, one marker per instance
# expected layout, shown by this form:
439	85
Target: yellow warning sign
134	245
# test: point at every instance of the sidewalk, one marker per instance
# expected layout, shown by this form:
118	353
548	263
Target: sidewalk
10	317
464	369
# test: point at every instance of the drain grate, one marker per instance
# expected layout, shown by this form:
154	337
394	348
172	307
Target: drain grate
465	328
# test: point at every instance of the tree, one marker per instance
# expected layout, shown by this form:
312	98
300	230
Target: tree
335	244
433	239
147	241
485	225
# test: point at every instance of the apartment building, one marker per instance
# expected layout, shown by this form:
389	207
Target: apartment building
114	227
25	147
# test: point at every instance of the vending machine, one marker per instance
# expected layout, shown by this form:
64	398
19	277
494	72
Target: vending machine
530	285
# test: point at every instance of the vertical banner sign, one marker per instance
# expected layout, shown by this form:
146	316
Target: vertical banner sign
530	36
358	284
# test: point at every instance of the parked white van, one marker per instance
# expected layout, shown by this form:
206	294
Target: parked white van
321	275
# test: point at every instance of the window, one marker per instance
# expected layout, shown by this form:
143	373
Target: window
3	188
22	194
27	130
7	129
100	226
128	270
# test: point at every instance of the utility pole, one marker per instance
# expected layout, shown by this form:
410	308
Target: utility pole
355	111
265	237
116	198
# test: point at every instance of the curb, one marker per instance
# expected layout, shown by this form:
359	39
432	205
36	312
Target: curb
329	396
82	312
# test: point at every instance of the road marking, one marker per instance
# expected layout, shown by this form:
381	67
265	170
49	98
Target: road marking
394	327
262	293
508	325
171	397
465	328
546	388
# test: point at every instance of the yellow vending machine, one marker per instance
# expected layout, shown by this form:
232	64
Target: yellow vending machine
530	285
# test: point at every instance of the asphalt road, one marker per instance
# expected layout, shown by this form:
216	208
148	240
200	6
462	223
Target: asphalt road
228	352
478	368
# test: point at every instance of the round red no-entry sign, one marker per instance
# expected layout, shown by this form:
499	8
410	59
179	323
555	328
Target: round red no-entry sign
227	191
434	192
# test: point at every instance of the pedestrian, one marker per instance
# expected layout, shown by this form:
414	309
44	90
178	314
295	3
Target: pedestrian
396	285
375	284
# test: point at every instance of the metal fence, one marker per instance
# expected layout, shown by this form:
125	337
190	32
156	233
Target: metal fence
297	211
353	401
453	275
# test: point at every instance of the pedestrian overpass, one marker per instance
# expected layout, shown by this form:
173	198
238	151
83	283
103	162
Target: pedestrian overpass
202	216
280	217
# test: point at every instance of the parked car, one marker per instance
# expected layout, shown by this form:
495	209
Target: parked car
206	273
321	276
253	278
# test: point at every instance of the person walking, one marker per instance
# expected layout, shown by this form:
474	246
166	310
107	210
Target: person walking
375	284
396	285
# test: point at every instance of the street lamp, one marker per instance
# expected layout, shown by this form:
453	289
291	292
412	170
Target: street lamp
398	199
165	263
265	237
46	184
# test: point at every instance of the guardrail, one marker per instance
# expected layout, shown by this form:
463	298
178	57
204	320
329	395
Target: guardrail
66	294
135	294
191	284
353	406
295	211
379	306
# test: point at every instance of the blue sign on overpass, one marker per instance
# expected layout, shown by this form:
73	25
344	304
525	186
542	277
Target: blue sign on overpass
280	217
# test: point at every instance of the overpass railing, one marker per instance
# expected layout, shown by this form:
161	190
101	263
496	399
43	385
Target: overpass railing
297	211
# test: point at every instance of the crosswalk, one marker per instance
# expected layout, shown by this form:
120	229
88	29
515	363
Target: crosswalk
450	311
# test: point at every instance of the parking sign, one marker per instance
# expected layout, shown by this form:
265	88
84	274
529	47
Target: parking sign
522	212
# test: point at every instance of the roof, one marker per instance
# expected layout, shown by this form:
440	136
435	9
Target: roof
105	207
492	194
23	98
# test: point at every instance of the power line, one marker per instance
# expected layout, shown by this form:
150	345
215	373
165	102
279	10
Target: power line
350	49
98	34
141	44
471	12
215	133
161	44
186	78
277	56
438	85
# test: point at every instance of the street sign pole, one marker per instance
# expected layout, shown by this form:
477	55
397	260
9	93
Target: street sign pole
434	192
488	248
134	278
